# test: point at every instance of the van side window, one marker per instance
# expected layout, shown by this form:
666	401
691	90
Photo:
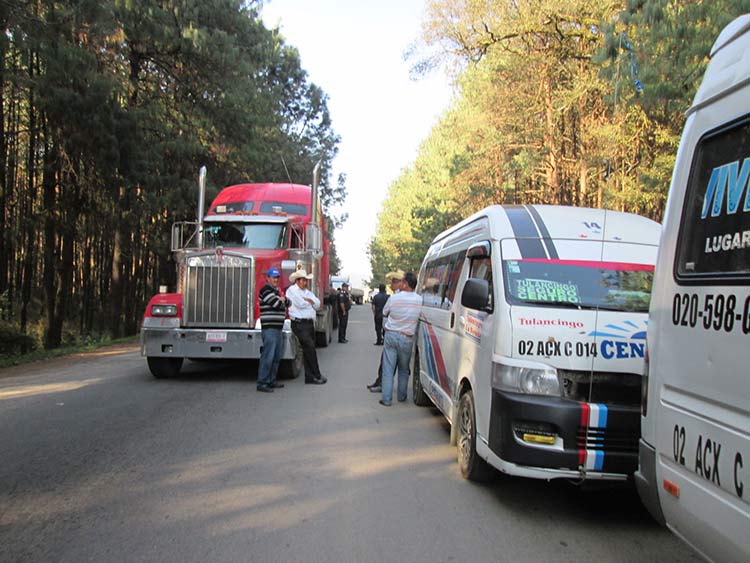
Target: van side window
481	268
714	238
441	280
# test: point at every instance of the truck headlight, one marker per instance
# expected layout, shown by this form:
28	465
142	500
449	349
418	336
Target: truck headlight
541	380
164	310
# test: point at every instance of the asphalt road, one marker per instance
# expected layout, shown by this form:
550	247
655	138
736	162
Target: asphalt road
101	462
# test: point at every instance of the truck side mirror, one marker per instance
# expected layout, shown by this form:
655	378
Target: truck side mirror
476	294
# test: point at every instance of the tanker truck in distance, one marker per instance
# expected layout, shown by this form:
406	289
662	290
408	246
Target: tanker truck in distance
222	260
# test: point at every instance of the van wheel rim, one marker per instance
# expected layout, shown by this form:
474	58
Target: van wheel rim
464	444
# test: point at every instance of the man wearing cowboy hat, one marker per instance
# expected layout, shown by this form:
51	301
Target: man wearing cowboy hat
395	277
302	307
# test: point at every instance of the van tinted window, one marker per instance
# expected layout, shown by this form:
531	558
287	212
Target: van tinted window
714	239
441	279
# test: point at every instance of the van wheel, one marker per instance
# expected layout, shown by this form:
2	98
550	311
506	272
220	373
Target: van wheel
164	367
472	466
420	397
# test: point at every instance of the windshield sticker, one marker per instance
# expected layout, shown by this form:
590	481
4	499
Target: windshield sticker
544	290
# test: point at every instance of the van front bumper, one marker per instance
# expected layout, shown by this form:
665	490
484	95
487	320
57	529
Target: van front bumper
235	344
517	422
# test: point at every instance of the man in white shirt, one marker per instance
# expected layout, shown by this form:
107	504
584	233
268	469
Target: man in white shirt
302	307
395	277
402	311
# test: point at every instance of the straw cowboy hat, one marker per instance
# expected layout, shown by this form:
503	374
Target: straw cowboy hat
397	275
297	274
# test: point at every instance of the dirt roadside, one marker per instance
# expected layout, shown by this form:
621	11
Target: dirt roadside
62	362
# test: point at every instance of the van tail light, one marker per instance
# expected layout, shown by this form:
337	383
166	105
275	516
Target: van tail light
672	488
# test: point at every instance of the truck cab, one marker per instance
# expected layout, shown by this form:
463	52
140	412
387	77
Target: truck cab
222	262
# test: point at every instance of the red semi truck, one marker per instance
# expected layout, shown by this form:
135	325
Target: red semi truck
222	260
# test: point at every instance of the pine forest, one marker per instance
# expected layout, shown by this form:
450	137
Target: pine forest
572	102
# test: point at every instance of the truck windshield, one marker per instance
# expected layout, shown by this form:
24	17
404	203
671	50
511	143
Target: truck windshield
614	286
244	235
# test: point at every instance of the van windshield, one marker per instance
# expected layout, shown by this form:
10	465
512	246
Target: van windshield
245	235
613	286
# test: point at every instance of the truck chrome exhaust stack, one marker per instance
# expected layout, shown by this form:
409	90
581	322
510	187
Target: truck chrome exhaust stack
201	204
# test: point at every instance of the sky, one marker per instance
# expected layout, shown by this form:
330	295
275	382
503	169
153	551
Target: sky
354	50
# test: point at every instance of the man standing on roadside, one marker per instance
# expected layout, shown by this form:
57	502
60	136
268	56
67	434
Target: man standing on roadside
342	307
396	278
302	307
402	315
378	302
272	315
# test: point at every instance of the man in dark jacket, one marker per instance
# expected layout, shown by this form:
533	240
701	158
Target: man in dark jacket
344	304
272	315
378	302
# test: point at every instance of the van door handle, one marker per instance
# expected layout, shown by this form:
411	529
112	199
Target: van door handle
453	319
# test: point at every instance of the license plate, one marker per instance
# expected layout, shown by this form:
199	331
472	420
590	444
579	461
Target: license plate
216	337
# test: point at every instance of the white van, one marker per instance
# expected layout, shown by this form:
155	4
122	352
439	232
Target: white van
532	339
694	470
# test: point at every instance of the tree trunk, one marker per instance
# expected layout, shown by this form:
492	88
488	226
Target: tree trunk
50	237
552	189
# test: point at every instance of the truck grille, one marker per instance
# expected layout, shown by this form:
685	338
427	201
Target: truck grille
218	291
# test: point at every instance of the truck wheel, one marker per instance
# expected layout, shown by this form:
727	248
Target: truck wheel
471	465
164	367
420	397
323	338
291	369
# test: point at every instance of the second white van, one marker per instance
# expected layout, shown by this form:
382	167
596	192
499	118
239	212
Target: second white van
532	339
694	471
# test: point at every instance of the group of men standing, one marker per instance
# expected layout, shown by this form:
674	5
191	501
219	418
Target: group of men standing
396	317
302	304
401	314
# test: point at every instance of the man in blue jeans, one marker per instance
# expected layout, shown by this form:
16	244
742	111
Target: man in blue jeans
402	315
272	315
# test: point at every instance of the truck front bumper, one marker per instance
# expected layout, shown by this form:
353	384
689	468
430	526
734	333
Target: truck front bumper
209	343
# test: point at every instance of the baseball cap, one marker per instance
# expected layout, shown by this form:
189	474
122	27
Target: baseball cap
273	273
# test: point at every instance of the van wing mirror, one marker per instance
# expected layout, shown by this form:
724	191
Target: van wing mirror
476	294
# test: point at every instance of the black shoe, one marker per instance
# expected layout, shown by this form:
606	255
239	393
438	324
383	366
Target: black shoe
375	388
276	385
319	381
264	389
382	402
343	341
378	344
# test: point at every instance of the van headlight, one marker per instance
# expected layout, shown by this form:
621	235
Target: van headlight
536	380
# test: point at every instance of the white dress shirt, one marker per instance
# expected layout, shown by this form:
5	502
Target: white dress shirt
299	308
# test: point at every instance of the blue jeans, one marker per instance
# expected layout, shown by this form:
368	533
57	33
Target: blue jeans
270	355
396	353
